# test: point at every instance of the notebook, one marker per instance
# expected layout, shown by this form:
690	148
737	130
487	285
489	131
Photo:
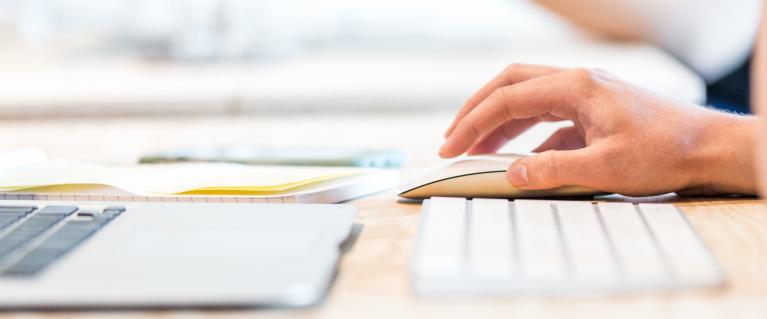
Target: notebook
191	182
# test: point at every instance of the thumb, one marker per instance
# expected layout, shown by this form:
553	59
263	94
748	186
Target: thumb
552	169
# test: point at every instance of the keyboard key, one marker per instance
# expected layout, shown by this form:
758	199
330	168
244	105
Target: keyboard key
10	215
585	241
6	221
58	210
17	209
32	263
114	209
490	238
634	246
540	250
56	245
32	227
443	236
556	247
689	259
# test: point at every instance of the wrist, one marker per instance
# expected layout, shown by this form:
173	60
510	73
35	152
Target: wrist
722	160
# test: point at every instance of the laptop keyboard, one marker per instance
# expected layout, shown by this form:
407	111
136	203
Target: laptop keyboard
32	238
537	246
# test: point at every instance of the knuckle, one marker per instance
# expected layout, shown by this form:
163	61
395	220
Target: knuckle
500	98
587	81
500	95
513	71
475	130
584	75
514	67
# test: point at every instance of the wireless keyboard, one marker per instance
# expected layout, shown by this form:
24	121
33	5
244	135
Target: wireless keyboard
496	246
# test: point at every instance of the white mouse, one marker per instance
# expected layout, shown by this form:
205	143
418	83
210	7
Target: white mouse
482	176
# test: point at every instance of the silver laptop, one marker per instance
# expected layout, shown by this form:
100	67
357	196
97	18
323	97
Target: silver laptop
93	254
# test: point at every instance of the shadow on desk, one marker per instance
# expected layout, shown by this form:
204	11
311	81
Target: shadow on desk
670	198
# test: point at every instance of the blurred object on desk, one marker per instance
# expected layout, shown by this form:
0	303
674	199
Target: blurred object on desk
349	57
226	29
341	80
280	156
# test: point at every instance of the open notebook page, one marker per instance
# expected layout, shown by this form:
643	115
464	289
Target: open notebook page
172	179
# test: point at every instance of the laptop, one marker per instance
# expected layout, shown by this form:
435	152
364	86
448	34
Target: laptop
58	254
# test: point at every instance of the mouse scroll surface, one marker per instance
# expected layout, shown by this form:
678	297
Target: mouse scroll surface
478	176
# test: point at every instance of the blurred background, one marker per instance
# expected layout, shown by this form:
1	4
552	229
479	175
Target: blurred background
158	57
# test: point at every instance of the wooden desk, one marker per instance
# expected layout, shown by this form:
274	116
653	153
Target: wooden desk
373	281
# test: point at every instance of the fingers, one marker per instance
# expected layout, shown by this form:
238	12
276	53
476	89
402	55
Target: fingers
552	169
566	138
493	141
559	95
512	74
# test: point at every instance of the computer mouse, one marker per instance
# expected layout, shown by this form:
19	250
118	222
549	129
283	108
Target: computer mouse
481	176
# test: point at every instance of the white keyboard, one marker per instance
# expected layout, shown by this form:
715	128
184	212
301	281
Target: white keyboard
551	247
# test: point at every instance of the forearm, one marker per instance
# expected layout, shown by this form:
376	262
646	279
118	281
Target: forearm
706	49
615	18
759	97
724	158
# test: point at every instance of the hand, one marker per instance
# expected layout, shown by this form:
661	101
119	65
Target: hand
624	139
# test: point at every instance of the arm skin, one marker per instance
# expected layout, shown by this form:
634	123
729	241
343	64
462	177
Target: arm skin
712	37
759	96
625	139
615	18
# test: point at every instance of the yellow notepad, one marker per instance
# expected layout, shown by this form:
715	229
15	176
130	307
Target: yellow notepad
189	179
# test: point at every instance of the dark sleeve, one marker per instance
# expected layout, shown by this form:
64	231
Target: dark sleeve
732	91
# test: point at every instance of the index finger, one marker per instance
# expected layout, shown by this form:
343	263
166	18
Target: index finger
512	74
552	94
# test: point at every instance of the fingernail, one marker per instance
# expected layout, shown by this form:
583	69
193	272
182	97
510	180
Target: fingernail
518	175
